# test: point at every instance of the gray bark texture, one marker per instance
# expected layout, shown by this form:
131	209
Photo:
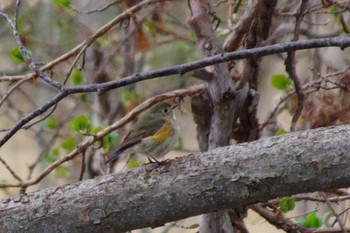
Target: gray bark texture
154	194
222	94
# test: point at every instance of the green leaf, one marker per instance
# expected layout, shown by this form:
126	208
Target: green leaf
150	27
280	82
95	130
62	171
81	123
125	95
69	144
287	204
312	221
110	140
332	9
77	77
17	55
49	158
52	157
56	151
63	3
132	163
280	132
51	123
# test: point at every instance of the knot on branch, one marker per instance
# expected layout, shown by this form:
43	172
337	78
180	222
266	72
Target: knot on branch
207	46
228	95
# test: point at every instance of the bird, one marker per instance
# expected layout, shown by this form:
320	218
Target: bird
154	134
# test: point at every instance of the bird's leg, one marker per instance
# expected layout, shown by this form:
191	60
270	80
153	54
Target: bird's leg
153	160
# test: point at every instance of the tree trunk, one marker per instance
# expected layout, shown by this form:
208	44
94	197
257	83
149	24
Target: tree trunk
221	95
152	195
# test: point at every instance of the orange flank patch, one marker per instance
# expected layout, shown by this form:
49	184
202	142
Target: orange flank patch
163	133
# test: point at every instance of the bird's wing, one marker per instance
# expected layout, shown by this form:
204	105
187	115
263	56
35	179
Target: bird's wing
135	136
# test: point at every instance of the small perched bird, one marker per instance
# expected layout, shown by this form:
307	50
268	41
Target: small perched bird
154	134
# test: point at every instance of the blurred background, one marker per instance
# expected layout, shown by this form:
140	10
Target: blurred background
157	36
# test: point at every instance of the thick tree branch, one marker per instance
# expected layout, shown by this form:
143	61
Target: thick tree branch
222	95
227	177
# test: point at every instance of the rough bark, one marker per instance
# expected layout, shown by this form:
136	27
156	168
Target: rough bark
222	96
151	195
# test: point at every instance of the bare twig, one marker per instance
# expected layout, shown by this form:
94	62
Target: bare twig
83	166
97	10
340	222
331	230
13	173
278	220
234	40
14	87
290	67
303	197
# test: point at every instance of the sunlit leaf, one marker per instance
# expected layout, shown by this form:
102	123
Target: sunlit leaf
125	95
51	123
69	144
77	77
95	130
52	156
287	204
110	140
132	163
280	82
81	123
313	221
62	171
48	158
63	3
280	132
56	151
17	56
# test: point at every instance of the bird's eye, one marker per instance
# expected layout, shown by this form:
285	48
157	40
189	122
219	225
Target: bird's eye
165	110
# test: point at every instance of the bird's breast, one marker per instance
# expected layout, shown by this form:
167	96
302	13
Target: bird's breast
166	132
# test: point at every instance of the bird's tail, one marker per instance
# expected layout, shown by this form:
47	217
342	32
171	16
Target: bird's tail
114	156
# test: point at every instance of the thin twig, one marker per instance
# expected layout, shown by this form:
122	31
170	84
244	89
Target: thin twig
42	118
13	173
315	199
278	220
340	222
291	70
81	52
97	10
83	166
14	87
